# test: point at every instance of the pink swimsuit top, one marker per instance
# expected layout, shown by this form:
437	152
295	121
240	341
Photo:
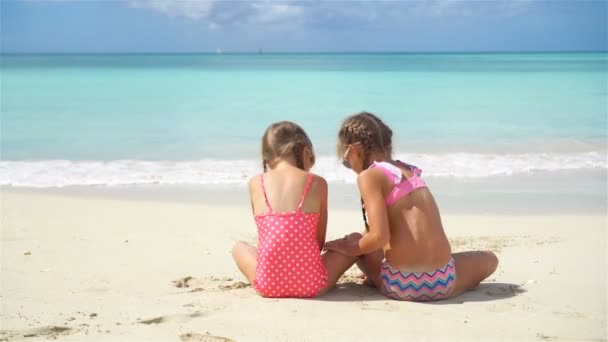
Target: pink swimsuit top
403	186
289	259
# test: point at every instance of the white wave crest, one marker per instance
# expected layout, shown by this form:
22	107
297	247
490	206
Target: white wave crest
62	173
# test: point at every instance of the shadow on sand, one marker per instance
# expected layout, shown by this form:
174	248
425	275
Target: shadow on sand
351	292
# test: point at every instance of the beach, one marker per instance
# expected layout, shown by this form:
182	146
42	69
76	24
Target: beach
117	268
130	131
123	189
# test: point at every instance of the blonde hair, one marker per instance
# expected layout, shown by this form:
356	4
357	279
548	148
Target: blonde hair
282	139
368	130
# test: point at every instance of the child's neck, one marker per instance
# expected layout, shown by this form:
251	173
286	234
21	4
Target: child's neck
284	163
378	157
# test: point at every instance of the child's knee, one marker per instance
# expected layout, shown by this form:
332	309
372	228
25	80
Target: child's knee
238	246
354	236
492	261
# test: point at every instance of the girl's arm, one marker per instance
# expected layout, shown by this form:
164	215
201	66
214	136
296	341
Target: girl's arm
253	182
322	227
370	184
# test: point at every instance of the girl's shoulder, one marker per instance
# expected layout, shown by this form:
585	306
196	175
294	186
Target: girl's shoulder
317	180
254	181
372	174
393	171
316	177
371	179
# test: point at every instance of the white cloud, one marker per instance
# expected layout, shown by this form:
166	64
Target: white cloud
218	13
270	12
222	13
194	9
441	8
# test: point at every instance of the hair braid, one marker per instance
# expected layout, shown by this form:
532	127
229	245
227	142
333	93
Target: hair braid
372	133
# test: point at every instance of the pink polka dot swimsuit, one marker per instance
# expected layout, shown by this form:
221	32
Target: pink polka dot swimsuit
289	260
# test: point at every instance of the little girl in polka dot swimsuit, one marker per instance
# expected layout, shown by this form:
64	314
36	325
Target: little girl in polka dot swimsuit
290	209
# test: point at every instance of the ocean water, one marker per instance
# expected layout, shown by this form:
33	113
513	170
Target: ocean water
113	120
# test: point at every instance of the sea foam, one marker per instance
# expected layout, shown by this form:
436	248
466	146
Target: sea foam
62	173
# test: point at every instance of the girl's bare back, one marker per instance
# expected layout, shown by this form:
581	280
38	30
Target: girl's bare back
284	189
418	240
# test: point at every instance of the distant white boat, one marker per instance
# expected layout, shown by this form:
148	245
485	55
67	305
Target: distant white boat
218	51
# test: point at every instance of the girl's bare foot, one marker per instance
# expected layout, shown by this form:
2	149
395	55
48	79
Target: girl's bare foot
367	281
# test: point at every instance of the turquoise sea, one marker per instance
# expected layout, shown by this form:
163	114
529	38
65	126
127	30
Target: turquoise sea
197	118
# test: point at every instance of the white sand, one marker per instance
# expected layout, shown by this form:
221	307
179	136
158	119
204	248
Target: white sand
65	259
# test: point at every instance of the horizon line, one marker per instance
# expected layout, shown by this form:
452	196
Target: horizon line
261	52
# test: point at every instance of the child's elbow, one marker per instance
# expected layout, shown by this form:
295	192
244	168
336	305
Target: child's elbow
382	239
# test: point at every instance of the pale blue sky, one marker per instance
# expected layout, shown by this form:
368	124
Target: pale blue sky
301	26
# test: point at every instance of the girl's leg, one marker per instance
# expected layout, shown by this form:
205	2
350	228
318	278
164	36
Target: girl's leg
245	256
471	269
370	265
336	264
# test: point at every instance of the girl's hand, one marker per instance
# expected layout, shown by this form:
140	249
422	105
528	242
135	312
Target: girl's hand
346	246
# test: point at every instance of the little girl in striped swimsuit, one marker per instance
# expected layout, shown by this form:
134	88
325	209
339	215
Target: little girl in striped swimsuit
404	252
290	210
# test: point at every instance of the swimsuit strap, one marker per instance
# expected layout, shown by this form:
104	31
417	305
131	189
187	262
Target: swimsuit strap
391	171
306	188
264	191
415	170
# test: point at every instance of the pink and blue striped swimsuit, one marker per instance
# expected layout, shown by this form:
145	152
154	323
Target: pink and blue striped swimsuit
400	284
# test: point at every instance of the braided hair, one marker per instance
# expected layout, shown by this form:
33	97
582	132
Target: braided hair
374	136
282	139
